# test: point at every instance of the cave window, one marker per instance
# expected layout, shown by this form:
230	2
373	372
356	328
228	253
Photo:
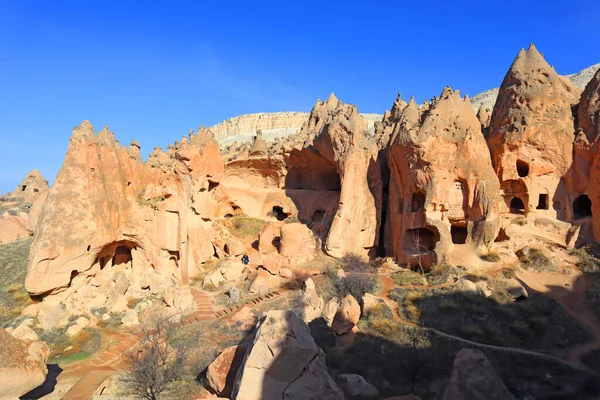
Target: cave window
122	255
517	206
420	239
212	185
318	216
418	202
278	213
36	190
542	202
23	188
582	207
522	168
459	234
228	216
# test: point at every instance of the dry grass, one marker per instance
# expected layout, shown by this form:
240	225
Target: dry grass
244	226
589	258
64	349
13	268
490	257
534	259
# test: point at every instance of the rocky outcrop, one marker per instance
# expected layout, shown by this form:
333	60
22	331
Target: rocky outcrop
22	365
284	362
443	190
338	155
107	208
531	137
473	378
32	187
347	316
221	373
356	387
588	111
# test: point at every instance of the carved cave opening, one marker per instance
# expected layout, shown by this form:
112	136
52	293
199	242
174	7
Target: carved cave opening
522	168
582	207
116	253
278	213
517	206
459	234
542	202
420	239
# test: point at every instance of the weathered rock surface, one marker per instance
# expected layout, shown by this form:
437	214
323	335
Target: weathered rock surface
22	365
356	387
347	316
284	362
531	136
443	189
312	303
298	244
473	378
32	187
221	373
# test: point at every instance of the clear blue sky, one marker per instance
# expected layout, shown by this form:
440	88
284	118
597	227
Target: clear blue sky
153	70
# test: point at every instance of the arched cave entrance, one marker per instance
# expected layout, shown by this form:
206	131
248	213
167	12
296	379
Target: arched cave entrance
517	206
522	168
459	234
582	207
116	253
420	240
278	213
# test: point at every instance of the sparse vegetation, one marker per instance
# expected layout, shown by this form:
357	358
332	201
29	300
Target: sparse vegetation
534	259
68	349
490	257
13	268
153	202
354	263
589	258
244	226
537	323
356	285
444	273
408	278
158	363
592	298
509	272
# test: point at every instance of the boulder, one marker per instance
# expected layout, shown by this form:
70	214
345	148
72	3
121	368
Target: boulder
347	315
312	303
228	270
473	378
283	362
120	305
264	282
78	326
52	315
235	247
22	365
131	318
298	244
330	310
268	237
221	373
180	298
274	263
356	387
23	331
286	273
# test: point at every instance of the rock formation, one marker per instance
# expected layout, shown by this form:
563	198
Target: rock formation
443	191
22	365
473	378
531	136
284	362
32	187
338	156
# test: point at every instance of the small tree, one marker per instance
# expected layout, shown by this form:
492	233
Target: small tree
159	361
417	248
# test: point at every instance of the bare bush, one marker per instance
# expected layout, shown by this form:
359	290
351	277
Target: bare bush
159	362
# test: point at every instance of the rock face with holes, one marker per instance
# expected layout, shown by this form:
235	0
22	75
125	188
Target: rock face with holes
33	186
531	138
335	178
587	154
108	208
443	190
22	365
283	362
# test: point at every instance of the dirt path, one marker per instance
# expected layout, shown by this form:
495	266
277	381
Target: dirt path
388	285
572	301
